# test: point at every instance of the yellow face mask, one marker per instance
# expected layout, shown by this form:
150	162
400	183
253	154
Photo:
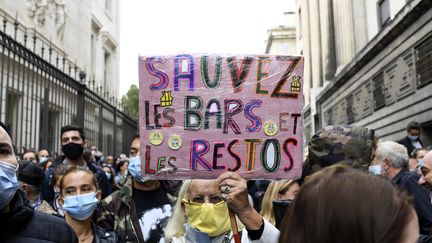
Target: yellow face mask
212	219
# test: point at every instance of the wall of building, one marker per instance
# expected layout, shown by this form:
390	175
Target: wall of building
340	79
281	40
41	88
380	87
67	26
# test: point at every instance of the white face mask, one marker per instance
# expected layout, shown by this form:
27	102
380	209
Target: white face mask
375	169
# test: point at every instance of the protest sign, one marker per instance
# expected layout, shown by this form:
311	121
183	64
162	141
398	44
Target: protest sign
203	115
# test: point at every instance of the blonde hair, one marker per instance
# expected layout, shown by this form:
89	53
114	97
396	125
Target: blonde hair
175	226
272	193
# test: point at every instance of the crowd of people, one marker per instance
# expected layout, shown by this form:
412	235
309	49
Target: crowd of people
354	188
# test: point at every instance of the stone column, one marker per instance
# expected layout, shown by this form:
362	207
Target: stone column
327	39
315	43
344	39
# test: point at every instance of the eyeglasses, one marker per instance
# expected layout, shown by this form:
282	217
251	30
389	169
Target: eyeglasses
214	199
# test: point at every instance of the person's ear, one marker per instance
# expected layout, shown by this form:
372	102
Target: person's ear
98	195
25	187
61	201
85	143
387	164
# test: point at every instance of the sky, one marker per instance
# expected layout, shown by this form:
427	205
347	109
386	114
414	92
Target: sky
162	27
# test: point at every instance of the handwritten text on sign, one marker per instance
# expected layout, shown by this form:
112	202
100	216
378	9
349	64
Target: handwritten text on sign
202	115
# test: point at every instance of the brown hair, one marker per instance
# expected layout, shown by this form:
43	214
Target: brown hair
30	151
340	204
413	126
415	152
72	128
75	169
60	170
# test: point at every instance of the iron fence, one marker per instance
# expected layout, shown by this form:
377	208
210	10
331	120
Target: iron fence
41	91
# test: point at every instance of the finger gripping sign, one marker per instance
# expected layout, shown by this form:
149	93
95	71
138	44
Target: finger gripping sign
203	115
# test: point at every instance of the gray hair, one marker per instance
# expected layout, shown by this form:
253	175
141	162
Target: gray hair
394	152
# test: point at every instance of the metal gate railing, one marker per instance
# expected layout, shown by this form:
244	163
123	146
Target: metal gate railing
40	93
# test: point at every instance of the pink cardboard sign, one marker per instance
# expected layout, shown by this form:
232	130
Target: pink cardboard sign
203	115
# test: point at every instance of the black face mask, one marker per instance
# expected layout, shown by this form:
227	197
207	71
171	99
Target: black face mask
280	207
73	151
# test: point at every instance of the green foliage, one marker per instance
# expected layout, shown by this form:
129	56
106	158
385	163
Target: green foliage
130	102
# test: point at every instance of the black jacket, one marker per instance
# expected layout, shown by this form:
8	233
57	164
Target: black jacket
104	236
104	184
422	200
408	144
24	224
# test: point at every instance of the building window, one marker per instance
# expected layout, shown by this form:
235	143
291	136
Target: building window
384	11
350	109
424	62
93	56
407	75
108	4
53	121
94	38
330	117
107	70
12	113
378	91
299	24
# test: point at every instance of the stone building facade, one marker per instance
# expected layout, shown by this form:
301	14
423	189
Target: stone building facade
87	32
58	66
282	40
367	63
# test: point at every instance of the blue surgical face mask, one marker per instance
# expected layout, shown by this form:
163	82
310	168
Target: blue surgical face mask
43	160
80	207
375	169
8	183
420	162
108	175
135	166
413	138
135	169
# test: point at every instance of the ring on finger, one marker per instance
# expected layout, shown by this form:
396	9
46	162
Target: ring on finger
224	196
227	189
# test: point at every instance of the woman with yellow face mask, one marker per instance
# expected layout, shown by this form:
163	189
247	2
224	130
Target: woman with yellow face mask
201	213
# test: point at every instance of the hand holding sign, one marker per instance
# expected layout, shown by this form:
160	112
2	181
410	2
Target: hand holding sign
237	199
235	188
